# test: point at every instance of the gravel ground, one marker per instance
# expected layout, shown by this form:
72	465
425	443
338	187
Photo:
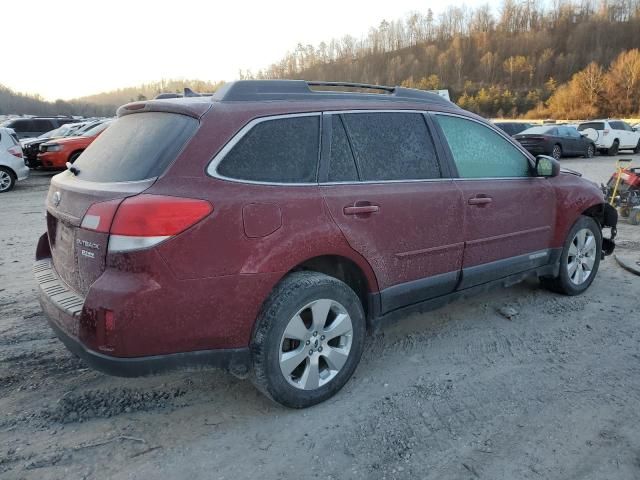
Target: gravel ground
464	392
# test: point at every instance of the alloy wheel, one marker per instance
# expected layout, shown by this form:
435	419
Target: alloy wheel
557	152
315	344
582	256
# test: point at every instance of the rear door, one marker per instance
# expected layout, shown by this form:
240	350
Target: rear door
509	214
392	199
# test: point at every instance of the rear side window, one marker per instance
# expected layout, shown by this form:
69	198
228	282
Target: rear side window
42	125
479	152
617	125
392	146
594	125
21	126
342	167
279	150
136	147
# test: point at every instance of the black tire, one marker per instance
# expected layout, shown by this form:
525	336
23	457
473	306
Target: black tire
624	211
563	283
591	151
613	151
292	294
634	216
637	149
7	180
556	152
74	156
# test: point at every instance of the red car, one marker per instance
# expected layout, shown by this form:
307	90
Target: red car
57	153
266	228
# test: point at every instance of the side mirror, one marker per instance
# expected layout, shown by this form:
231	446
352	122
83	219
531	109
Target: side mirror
547	166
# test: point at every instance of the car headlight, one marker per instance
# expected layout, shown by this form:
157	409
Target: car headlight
53	148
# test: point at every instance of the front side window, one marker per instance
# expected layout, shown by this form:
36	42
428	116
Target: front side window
479	152
392	146
279	150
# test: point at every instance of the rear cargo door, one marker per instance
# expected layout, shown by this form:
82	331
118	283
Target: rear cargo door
124	161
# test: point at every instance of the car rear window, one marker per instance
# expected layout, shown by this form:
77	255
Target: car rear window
537	130
594	125
280	150
136	147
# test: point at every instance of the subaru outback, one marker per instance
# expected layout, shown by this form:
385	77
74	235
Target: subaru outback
267	228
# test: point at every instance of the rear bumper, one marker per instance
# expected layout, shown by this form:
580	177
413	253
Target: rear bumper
64	309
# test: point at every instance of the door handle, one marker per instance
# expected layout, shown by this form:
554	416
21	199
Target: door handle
480	200
360	209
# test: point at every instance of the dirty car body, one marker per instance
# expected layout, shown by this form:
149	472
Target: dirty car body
176	259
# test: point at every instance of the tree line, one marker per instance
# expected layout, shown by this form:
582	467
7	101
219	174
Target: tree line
523	59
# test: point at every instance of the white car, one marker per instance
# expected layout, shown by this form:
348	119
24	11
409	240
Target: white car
610	136
12	167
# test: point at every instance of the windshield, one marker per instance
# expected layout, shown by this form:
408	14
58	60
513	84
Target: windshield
136	147
92	132
537	130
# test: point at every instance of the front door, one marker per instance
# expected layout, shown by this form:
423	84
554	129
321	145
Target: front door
509	214
385	190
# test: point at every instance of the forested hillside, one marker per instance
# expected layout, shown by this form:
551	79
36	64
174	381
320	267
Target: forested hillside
505	64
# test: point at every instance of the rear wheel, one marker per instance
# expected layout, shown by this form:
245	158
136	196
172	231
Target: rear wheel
556	152
7	180
579	260
308	339
591	151
634	216
614	148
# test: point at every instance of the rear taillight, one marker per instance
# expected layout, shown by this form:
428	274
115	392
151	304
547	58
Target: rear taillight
605	132
16	151
144	220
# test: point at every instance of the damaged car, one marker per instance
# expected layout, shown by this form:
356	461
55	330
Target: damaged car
265	229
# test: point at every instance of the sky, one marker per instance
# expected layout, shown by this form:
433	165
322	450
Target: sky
70	48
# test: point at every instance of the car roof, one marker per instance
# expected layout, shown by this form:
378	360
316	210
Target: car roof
296	95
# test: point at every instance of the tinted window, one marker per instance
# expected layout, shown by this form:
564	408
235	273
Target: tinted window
563	131
21	126
617	125
42	125
282	150
480	152
573	132
392	146
136	147
594	125
506	127
342	167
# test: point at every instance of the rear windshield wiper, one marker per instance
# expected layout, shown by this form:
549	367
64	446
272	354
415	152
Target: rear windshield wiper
72	169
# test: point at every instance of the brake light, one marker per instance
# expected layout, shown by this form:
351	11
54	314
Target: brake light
16	151
144	220
605	132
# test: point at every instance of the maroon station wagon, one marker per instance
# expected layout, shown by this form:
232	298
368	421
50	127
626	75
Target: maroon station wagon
266	228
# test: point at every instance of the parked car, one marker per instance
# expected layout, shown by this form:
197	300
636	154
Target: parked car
12	167
557	141
266	228
56	153
35	126
513	128
610	136
31	146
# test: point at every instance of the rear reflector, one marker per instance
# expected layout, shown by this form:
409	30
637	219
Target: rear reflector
145	220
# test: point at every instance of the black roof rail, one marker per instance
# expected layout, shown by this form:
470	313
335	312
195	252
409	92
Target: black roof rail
263	90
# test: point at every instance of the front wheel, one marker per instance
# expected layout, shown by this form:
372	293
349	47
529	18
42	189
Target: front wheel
579	260
308	339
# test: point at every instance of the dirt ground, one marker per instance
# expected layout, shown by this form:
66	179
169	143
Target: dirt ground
459	393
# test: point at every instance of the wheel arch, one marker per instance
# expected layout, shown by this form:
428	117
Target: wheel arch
10	170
